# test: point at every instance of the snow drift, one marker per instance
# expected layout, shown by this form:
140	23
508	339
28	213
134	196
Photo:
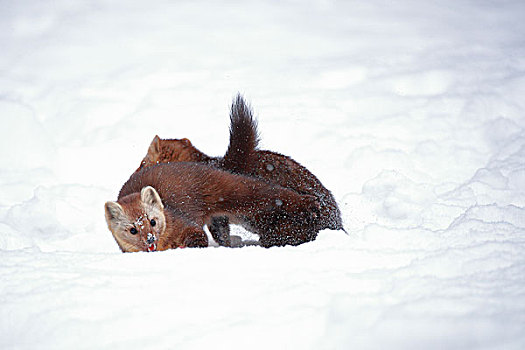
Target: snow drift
411	113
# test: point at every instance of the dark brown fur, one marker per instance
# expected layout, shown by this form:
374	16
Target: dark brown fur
199	193
286	172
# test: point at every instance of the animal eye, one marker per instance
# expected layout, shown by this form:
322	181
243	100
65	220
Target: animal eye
153	222
133	231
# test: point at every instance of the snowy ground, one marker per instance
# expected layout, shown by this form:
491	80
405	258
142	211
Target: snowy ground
412	113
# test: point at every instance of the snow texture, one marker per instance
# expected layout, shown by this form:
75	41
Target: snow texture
411	113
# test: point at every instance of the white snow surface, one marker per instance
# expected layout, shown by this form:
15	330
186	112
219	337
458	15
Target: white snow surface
412	113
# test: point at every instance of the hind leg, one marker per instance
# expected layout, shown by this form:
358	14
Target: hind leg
293	224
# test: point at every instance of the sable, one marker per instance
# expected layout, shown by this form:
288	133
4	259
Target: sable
243	157
182	197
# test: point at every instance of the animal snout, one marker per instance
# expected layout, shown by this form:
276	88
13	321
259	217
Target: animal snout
150	239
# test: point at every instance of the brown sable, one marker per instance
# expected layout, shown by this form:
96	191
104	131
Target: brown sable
243	157
140	222
182	197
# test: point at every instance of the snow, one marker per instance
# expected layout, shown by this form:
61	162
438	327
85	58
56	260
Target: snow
411	113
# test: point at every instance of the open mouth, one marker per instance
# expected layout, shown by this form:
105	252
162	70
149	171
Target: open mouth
150	242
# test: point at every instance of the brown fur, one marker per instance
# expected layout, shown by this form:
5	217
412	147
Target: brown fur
175	150
170	231
242	157
193	194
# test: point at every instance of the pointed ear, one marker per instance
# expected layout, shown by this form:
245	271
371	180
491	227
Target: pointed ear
154	147
186	142
149	196
114	214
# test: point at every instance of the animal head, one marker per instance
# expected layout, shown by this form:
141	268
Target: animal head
137	221
167	150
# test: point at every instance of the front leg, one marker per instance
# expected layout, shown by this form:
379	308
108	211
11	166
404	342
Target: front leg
220	230
194	237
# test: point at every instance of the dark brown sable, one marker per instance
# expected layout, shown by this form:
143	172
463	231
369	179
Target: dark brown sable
243	157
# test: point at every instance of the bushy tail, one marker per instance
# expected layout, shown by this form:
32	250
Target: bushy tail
244	137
